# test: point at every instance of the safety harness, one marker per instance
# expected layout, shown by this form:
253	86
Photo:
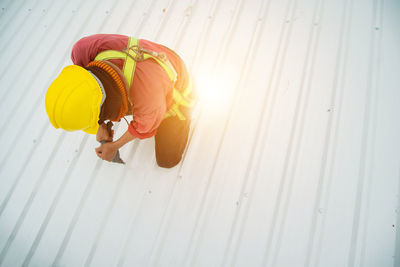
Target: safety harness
134	53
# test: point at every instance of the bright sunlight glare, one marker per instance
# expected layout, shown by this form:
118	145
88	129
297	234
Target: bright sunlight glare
214	89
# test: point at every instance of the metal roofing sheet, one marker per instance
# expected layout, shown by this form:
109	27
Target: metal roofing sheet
293	157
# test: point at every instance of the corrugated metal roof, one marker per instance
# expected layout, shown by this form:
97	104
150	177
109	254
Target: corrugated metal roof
293	158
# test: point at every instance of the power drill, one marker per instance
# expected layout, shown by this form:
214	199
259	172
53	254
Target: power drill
117	157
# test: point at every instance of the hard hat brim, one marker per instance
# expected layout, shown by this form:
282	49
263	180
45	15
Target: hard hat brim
92	130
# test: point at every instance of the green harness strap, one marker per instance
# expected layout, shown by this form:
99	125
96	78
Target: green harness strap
134	53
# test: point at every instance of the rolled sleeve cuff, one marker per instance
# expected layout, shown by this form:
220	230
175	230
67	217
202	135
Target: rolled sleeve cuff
135	133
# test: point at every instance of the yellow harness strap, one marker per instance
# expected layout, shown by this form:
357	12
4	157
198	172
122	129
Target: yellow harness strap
129	55
134	53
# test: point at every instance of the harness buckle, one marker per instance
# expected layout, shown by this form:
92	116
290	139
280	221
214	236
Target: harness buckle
137	53
159	55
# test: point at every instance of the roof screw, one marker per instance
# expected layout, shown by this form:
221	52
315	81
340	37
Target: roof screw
288	20
76	150
321	210
107	11
30	9
34	141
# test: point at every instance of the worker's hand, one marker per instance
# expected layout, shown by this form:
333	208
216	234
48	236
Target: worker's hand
103	135
107	151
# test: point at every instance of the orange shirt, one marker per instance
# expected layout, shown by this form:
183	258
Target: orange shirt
151	92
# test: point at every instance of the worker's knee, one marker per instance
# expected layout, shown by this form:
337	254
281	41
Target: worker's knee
168	163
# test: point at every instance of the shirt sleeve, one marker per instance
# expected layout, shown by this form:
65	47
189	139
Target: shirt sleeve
146	126
149	99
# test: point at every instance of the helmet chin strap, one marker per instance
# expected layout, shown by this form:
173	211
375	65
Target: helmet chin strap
103	91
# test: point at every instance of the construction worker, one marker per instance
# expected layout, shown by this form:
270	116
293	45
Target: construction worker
114	76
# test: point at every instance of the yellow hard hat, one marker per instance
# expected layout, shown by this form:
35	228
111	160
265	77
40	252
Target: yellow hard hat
73	100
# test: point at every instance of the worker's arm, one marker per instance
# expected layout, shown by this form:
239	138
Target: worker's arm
125	138
108	150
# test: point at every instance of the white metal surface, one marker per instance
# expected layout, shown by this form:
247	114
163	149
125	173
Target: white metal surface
294	156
